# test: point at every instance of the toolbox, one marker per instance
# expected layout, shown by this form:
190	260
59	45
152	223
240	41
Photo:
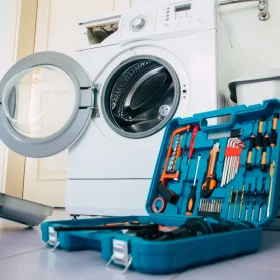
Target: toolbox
213	190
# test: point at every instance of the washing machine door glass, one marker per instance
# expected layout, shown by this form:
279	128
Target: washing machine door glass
46	102
140	97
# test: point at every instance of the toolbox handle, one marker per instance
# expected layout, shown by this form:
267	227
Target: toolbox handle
230	112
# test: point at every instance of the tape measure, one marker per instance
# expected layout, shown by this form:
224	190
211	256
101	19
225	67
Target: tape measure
158	205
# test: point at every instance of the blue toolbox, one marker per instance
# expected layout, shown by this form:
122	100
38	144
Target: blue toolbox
214	188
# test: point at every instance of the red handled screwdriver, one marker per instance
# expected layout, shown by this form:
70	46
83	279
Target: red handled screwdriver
195	130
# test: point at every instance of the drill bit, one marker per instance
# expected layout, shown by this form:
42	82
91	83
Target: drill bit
241	201
230	200
271	173
248	201
254	202
235	202
262	199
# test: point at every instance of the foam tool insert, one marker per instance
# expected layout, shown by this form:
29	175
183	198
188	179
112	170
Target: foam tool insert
213	189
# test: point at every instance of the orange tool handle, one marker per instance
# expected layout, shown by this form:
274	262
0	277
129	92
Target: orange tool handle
209	184
191	201
164	175
249	158
275	120
263	159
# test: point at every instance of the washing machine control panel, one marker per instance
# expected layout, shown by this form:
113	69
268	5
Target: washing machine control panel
188	16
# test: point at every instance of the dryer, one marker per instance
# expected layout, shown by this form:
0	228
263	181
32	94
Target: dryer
131	74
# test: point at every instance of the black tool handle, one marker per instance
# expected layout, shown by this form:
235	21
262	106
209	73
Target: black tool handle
191	201
167	194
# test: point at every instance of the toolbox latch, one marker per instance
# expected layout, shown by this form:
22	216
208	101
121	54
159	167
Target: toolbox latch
53	239
121	255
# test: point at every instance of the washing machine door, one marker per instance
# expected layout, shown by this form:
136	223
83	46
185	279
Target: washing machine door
46	104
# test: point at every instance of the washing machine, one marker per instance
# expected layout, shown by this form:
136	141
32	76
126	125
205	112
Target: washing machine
109	104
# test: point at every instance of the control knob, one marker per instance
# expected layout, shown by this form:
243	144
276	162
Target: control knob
137	23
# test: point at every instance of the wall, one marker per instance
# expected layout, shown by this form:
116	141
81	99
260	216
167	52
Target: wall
8	26
248	46
251	45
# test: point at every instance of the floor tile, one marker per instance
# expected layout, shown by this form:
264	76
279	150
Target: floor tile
60	265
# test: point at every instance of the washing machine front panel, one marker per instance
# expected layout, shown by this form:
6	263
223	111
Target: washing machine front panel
114	156
46	103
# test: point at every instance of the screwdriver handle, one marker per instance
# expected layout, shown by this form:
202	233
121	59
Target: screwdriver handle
260	135
263	159
191	201
195	130
273	136
250	152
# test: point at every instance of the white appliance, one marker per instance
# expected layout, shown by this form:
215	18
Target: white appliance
111	113
255	88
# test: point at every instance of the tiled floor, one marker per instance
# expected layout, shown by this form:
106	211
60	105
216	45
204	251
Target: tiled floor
22	256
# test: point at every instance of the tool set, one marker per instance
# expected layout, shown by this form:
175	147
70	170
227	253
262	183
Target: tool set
235	158
213	179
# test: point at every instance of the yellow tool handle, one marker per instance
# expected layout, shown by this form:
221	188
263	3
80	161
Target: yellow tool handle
263	161
249	158
274	123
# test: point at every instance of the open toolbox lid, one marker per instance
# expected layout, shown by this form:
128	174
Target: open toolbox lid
247	188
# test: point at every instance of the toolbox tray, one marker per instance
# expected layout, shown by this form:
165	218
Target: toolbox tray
163	257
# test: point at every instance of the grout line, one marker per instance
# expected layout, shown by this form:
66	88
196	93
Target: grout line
20	254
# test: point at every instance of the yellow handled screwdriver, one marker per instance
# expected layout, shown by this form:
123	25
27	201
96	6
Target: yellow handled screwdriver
250	152
273	136
260	135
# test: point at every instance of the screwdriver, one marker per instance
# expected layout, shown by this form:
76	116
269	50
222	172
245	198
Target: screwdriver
254	202
195	130
262	199
230	200
248	201
273	136
263	159
192	196
250	151
236	198
260	136
271	173
241	202
210	177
